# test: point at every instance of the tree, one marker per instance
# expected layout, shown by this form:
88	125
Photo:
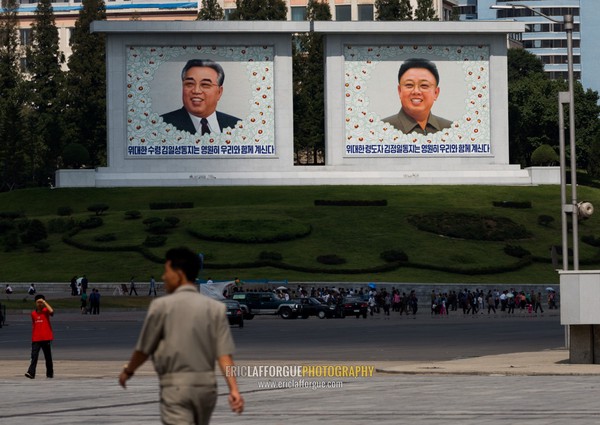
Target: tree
210	11
309	90
522	63
394	10
86	82
12	159
259	10
46	83
425	11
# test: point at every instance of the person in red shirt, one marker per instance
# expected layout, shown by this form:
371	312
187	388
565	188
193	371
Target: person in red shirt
41	336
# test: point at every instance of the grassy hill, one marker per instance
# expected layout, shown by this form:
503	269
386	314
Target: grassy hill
356	234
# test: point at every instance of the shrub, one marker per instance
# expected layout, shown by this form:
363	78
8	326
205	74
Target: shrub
6	226
393	255
545	220
150	220
11	241
158	228
170	205
107	237
588	239
91	223
12	214
516	251
171	221
98	209
60	225
153	241
512	204
272	256
350	203
330	259
64	211
41	246
469	226
250	231
36	231
75	155
544	155
133	214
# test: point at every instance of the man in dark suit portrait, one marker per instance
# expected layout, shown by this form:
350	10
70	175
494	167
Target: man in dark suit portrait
202	87
418	89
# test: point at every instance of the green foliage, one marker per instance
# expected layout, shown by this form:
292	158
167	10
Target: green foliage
545	220
523	64
393	255
64	211
591	240
393	10
133	214
170	205
425	11
593	163
86	84
35	231
151	220
309	90
91	223
107	237
75	155
516	251
270	255
171	221
330	259
44	118
210	11
10	241
153	241
259	10
12	214
98	209
60	225
544	155
41	246
351	203
6	225
512	204
249	231
469	226
158	227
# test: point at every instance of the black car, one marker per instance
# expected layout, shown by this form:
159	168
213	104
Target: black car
316	307
235	315
355	306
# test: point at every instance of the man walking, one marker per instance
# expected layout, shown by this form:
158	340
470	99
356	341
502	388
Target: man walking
185	333
41	336
152	286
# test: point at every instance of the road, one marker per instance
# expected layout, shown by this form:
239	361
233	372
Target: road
111	336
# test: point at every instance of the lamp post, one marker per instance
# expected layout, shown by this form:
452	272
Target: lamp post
563	98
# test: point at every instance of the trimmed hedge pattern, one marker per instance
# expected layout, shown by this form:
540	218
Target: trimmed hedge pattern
350	203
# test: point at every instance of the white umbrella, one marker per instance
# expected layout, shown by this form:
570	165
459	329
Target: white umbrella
549	288
79	279
282	288
510	295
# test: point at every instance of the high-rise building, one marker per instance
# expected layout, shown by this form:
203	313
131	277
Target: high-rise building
547	39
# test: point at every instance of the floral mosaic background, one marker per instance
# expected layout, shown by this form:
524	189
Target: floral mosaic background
367	134
149	135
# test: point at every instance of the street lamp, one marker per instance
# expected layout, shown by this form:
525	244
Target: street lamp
564	98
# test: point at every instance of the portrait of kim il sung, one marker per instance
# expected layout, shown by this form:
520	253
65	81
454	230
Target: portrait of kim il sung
418	89
201	89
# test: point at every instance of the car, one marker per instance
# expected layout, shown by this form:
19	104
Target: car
262	303
235	314
355	306
312	306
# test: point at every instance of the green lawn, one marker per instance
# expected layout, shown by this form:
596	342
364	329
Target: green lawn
357	234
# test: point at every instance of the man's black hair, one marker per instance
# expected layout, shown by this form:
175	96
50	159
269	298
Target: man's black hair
185	260
419	63
205	63
39	297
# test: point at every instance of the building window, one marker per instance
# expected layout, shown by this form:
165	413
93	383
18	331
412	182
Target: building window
343	13
299	13
25	36
228	12
365	12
